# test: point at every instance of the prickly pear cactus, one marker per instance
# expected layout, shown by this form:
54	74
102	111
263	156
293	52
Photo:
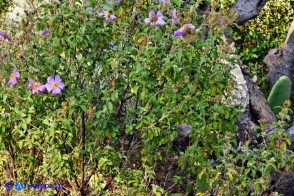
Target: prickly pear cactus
279	93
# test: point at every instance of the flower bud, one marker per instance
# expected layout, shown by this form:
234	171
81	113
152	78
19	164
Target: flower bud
287	104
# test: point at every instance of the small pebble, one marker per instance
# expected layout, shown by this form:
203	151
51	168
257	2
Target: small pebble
254	79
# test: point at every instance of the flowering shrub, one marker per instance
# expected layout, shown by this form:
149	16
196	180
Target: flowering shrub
120	87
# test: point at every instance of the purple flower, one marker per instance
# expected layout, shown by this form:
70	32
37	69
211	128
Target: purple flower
107	16
45	32
36	86
6	54
4	36
184	29
175	18
13	77
155	19
164	1
54	84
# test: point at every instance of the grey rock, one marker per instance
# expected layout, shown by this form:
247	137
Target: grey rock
183	129
279	62
290	132
289	43
248	9
258	103
254	104
284	182
245	129
240	90
181	142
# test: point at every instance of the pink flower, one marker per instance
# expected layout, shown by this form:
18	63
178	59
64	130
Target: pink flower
45	32
5	36
54	84
36	86
6	54
184	29
175	18
155	19
13	77
107	16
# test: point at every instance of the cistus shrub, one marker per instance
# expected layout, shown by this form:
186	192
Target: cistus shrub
94	96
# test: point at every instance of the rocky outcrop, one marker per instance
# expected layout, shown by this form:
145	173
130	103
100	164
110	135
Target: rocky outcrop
280	61
258	104
256	109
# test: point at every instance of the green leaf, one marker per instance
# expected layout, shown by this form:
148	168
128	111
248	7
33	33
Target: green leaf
202	183
84	108
109	106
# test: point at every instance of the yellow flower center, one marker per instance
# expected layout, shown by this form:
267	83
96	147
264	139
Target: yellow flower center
153	19
183	27
107	14
54	84
12	75
35	85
